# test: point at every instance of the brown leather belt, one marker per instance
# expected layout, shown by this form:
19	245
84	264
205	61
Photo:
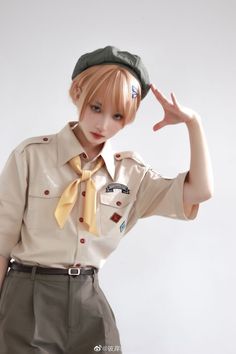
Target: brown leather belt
52	271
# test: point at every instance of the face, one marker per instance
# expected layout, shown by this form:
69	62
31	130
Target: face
100	124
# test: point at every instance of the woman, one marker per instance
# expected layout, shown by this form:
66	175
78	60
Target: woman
66	201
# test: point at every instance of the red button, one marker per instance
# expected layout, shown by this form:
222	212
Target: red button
77	265
83	193
81	219
117	155
82	240
46	192
118	203
84	155
45	139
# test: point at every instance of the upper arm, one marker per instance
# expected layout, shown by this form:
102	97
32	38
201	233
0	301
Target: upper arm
13	187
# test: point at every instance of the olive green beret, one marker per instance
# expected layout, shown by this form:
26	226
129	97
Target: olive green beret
113	55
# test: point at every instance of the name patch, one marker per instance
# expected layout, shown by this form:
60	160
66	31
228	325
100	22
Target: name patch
110	188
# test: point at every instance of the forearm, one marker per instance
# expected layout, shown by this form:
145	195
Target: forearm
198	185
3	269
200	182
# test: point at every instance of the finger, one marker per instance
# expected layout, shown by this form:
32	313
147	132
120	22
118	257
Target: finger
161	98
174	99
159	125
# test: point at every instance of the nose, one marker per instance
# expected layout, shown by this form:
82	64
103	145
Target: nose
102	123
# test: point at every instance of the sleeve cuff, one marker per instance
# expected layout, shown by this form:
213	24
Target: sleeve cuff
195	207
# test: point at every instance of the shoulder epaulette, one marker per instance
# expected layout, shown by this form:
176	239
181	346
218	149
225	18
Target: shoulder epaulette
129	155
44	139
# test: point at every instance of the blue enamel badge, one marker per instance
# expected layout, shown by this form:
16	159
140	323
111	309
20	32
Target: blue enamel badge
134	91
122	226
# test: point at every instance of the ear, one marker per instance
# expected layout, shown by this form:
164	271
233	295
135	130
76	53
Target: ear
77	92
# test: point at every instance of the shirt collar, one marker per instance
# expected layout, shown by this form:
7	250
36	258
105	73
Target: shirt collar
68	146
107	154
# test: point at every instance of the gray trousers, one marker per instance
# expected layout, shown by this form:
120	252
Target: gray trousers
55	314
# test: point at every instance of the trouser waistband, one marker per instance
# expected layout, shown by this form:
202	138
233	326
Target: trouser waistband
52	271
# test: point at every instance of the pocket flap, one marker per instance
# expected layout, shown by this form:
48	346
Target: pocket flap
116	200
44	192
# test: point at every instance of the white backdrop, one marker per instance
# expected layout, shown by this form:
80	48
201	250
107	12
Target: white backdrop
171	283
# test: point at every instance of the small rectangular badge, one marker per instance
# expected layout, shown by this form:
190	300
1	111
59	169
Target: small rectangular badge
122	226
116	217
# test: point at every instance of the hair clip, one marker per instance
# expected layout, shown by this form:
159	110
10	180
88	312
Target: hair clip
134	91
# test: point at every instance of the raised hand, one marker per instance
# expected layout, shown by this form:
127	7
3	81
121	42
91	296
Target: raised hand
174	113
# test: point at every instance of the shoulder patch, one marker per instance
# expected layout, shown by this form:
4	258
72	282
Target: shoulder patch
129	155
44	139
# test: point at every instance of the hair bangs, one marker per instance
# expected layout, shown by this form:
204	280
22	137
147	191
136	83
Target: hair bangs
114	91
111	84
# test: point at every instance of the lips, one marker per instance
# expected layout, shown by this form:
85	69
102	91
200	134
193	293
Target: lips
97	136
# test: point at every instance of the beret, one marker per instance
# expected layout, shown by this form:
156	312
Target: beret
113	55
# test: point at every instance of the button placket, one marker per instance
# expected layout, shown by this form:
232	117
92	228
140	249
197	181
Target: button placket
81	201
82	194
81	229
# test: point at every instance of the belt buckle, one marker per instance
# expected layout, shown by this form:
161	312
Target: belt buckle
74	271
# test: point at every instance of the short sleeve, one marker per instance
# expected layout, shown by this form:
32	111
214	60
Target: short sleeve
13	189
162	196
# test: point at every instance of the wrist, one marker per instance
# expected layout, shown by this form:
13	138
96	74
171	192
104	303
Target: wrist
194	121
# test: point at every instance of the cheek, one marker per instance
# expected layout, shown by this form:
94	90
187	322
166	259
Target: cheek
115	128
86	120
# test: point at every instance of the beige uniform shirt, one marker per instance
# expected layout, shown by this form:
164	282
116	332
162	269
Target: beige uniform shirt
36	174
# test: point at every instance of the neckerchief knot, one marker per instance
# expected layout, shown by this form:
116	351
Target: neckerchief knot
69	196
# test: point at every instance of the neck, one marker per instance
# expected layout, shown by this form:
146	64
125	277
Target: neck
91	150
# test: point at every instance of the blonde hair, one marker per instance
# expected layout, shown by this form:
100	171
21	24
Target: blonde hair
112	83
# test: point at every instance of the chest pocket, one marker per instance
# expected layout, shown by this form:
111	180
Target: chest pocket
114	209
41	204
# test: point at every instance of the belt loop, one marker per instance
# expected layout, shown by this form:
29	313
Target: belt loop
95	277
34	268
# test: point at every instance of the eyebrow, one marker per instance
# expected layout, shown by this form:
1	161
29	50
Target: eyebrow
100	104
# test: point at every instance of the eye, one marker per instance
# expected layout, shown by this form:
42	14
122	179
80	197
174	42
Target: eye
95	108
118	116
